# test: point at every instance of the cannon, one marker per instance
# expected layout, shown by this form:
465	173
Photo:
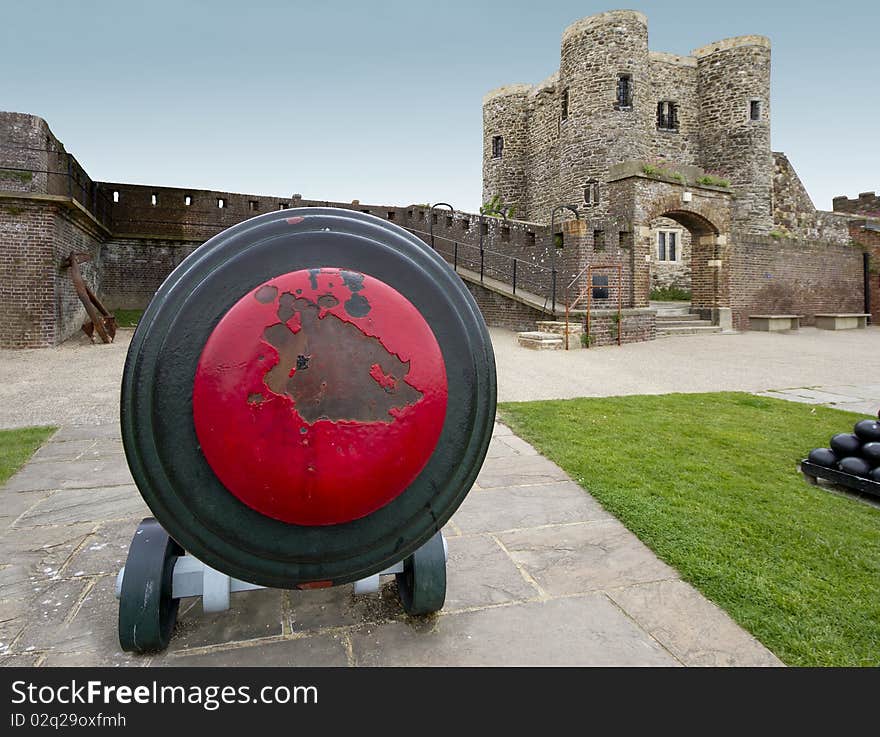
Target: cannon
305	403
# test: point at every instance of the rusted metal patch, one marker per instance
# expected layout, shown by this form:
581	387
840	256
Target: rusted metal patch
331	369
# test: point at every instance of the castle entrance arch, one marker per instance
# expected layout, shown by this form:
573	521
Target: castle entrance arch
701	213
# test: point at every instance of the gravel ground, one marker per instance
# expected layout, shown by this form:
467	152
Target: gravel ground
750	361
78	383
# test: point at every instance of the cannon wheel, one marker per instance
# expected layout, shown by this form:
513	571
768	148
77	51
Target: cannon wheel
147	610
422	584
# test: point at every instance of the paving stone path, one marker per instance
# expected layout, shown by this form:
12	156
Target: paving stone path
861	398
539	574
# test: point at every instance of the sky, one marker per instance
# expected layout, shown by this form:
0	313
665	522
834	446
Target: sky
381	101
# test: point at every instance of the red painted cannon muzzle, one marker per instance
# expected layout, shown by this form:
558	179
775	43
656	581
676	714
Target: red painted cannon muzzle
320	396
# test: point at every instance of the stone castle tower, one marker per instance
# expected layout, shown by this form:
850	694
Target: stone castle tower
614	101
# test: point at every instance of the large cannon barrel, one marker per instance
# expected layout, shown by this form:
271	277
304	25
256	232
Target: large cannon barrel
308	398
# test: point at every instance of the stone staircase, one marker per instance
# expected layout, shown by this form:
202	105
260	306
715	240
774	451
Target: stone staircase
676	318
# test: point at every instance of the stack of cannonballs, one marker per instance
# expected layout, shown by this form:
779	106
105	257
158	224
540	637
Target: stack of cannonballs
856	453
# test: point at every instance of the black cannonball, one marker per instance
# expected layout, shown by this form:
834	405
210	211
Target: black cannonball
845	444
875	475
868	431
855	466
823	457
871	453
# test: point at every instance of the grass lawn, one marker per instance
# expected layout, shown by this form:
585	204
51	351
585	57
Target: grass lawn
16	446
128	318
709	482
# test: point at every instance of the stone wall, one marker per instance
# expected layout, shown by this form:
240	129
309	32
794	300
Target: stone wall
675	79
794	213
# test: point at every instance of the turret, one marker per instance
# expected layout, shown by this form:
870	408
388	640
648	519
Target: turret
505	143
734	89
606	106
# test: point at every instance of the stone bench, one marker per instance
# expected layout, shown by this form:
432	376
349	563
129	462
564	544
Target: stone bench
841	320
774	323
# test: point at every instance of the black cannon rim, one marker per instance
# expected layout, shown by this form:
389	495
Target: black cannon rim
159	434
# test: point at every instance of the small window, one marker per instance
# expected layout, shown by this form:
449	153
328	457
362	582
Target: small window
530	238
484	228
282	205
221	203
409	213
559	240
667	245
116	195
565	104
667	116
598	240
755	110
465	223
366	212
391	214
497	147
433	218
591	192
449	221
187	200
253	205
624	92
154	199
600	286
505	234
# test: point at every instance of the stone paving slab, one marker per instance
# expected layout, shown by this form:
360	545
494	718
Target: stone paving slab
671	610
82	505
517	507
573	631
528	471
583	557
107	470
862	399
321	650
253	615
538	573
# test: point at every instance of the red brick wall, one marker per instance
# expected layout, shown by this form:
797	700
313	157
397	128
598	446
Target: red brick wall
502	312
788	276
27	274
870	239
39	306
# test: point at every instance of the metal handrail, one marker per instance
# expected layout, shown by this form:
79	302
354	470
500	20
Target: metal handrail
512	275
